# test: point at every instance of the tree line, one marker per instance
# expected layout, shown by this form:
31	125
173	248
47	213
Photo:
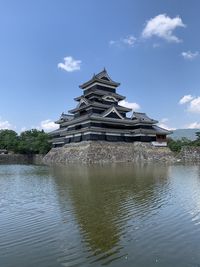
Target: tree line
27	142
176	145
37	142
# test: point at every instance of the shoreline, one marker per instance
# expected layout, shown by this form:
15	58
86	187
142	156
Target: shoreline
95	152
21	159
91	152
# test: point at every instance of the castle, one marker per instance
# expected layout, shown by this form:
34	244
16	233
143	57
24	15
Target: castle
99	116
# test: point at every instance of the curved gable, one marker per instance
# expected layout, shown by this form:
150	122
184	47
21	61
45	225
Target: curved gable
109	98
112	113
83	102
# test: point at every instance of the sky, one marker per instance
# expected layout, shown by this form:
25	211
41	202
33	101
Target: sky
49	47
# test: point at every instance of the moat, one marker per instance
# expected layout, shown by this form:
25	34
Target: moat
114	215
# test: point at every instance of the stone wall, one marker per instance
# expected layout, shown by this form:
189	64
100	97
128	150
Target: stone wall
189	154
105	152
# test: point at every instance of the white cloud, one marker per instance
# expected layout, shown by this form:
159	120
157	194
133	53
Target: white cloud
48	125
129	40
163	124
163	26
167	127
185	99
190	55
133	106
5	124
194	125
70	64
126	41
194	105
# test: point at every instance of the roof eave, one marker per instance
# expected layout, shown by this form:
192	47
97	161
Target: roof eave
58	121
124	108
163	131
93	80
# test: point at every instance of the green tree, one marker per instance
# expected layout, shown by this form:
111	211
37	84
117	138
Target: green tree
197	141
176	145
198	135
8	140
33	142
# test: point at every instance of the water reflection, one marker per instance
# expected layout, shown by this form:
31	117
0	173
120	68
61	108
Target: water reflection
105	200
119	215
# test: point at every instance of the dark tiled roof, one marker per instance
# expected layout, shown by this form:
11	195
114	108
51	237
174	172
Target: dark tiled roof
67	116
142	117
101	93
64	117
160	130
100	105
101	77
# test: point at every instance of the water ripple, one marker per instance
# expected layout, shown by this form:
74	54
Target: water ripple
93	216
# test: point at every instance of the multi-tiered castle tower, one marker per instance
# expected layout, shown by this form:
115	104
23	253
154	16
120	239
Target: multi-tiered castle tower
99	116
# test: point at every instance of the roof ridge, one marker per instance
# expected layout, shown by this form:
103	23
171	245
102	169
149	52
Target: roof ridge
98	77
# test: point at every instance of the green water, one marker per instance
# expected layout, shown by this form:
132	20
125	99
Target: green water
119	215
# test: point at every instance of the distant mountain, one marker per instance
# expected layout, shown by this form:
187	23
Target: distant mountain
188	133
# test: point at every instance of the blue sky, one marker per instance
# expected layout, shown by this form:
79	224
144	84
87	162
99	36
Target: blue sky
49	47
